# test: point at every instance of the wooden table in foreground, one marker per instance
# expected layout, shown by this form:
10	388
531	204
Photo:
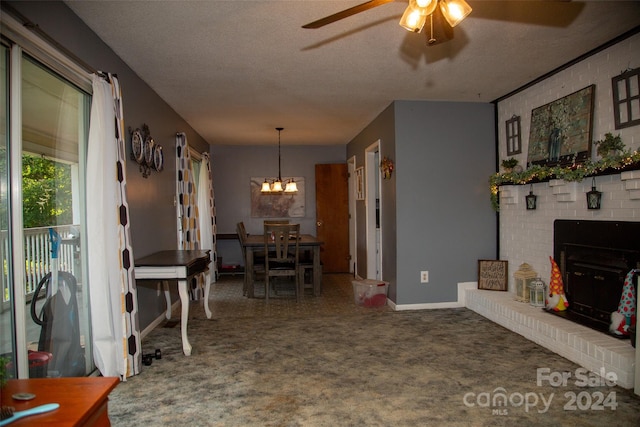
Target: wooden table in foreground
83	400
180	265
255	242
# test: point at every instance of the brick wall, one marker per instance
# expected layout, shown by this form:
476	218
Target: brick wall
527	235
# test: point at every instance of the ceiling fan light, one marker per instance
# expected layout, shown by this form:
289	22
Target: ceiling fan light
412	19
426	7
455	11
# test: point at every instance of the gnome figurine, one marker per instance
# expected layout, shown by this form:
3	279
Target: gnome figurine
625	316
556	299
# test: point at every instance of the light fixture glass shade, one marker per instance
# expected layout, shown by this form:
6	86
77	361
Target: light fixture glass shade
277	186
412	19
426	7
454	11
291	187
266	188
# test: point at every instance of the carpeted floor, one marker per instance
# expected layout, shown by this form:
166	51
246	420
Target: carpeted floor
327	362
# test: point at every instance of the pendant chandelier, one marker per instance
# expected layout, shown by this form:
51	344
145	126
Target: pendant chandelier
275	186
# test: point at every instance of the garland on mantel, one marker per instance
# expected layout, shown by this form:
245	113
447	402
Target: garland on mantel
576	172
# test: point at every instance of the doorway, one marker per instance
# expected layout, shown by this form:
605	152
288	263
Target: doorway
373	211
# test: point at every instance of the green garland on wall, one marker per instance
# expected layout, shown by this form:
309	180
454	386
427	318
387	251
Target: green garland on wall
613	163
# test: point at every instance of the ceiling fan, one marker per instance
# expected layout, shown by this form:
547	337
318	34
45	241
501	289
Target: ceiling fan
415	16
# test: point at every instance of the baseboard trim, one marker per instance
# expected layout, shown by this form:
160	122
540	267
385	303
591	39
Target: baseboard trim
462	288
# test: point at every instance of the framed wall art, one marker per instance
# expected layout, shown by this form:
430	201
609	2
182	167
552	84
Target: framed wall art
493	274
560	132
514	141
360	183
626	98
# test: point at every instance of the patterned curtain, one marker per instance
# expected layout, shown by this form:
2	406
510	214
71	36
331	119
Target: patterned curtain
187	208
112	286
189	232
207	210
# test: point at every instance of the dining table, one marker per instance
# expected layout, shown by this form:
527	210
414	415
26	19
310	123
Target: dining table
255	243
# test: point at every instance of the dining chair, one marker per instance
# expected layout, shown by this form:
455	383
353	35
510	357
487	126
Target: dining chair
282	249
305	270
258	257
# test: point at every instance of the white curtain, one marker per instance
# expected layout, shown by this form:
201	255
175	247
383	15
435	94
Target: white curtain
207	217
113	296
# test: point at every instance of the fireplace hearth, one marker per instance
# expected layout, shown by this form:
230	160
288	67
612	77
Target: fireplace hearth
594	258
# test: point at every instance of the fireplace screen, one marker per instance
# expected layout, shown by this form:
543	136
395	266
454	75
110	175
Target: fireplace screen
595	257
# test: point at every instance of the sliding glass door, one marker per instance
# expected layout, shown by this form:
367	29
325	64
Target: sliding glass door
7	326
45	320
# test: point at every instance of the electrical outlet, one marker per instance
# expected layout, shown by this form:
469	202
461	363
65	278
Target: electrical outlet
424	277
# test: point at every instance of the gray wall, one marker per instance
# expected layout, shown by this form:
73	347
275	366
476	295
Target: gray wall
445	154
383	129
436	211
233	167
152	212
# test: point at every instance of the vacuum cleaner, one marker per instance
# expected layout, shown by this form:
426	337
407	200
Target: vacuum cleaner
59	318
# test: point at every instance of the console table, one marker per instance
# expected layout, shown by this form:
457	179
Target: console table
83	400
180	265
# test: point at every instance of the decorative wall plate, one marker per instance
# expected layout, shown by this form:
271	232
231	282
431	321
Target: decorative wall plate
149	147
158	158
136	146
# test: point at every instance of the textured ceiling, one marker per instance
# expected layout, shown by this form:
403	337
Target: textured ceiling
235	70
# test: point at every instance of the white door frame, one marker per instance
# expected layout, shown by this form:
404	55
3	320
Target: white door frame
374	247
353	223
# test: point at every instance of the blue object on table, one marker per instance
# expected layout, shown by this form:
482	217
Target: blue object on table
33	411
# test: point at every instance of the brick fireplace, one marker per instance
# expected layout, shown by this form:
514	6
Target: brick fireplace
528	236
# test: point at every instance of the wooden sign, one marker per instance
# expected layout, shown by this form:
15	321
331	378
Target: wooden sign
492	275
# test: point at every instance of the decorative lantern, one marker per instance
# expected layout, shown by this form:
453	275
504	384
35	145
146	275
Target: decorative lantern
537	292
523	278
531	199
594	196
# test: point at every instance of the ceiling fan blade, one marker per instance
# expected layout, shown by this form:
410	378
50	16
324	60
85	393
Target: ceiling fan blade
346	13
550	13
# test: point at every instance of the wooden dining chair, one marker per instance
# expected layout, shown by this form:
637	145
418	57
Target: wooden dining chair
282	249
258	257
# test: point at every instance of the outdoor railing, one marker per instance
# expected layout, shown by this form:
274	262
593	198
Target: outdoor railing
37	248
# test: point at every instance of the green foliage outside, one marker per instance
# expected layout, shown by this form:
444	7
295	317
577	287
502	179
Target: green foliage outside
46	189
46	192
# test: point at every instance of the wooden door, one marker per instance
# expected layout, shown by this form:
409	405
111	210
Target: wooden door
332	216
